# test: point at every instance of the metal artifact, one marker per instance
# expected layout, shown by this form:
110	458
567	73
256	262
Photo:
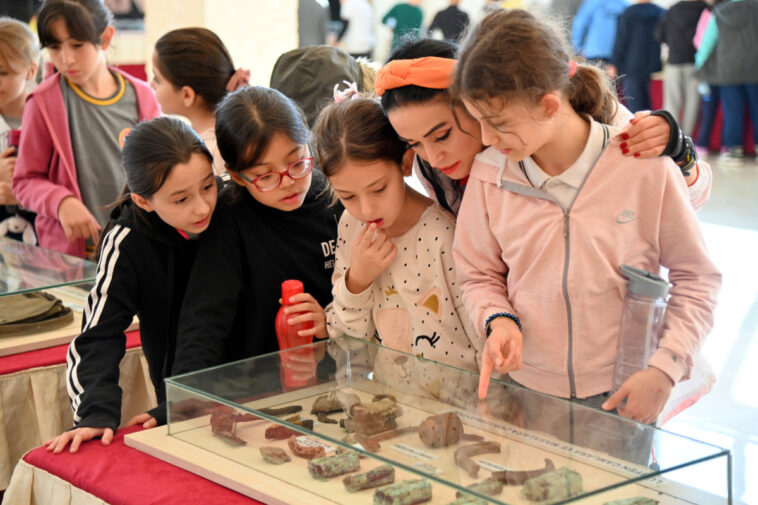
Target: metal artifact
279	432
464	453
292	409
372	418
302	422
379	476
556	485
519	477
224	421
441	430
333	466
407	492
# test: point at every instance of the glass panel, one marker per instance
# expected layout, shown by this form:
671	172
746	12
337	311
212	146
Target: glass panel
25	268
425	420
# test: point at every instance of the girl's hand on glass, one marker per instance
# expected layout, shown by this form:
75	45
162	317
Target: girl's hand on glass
503	352
77	221
373	251
646	137
645	392
76	437
307	309
146	420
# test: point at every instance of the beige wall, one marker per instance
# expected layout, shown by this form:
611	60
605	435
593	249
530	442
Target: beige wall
255	31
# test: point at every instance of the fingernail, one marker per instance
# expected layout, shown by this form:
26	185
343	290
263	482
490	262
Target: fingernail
623	145
636	155
625	151
625	136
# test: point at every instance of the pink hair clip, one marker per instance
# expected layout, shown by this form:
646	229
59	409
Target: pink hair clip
349	93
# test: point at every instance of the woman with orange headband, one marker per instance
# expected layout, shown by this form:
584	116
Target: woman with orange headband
414	84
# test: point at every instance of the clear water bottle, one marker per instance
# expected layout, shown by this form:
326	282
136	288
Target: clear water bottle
641	322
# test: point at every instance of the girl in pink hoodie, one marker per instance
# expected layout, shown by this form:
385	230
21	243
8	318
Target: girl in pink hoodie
552	210
68	169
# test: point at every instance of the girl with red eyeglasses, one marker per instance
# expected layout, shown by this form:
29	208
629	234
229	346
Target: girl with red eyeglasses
275	222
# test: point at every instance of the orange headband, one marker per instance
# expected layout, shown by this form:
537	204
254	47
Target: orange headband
429	72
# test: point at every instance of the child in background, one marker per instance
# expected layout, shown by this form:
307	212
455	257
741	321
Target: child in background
19	57
68	169
146	256
394	276
277	224
552	210
193	71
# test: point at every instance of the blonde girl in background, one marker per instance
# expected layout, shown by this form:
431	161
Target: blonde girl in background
193	71
394	278
552	210
19	58
68	169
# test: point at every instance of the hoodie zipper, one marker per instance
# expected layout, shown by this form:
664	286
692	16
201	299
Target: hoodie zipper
566	240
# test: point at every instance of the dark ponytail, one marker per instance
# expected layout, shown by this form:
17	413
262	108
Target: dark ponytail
195	57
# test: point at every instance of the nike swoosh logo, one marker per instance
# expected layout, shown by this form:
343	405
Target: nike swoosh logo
627	216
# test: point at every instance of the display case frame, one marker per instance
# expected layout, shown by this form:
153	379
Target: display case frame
602	447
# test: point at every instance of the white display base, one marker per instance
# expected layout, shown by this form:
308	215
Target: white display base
241	467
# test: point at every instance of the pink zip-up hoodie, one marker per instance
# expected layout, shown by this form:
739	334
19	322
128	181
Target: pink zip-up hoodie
45	172
517	251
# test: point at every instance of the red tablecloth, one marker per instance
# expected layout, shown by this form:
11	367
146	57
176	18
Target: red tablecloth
121	475
50	356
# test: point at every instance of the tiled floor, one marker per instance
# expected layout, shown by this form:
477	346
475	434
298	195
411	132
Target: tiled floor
728	416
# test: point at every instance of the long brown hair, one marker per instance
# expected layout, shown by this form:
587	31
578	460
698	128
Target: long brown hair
511	55
357	130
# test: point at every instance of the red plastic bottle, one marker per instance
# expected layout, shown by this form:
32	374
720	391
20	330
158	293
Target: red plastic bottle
295	365
14	137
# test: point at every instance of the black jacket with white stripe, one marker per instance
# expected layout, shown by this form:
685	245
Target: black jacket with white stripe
143	269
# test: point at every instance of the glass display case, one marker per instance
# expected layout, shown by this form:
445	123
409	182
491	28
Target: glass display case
350	422
42	296
26	268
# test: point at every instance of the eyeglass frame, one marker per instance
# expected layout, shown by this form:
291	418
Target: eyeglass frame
280	174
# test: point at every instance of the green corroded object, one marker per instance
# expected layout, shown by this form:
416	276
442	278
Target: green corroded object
332	466
379	476
490	487
637	500
408	492
556	485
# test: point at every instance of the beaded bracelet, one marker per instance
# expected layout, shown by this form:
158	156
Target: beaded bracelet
512	317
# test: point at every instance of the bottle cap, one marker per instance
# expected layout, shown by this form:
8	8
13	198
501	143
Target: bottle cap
644	283
289	288
14	137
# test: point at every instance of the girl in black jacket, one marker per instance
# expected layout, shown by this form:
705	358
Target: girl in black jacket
146	254
277	223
